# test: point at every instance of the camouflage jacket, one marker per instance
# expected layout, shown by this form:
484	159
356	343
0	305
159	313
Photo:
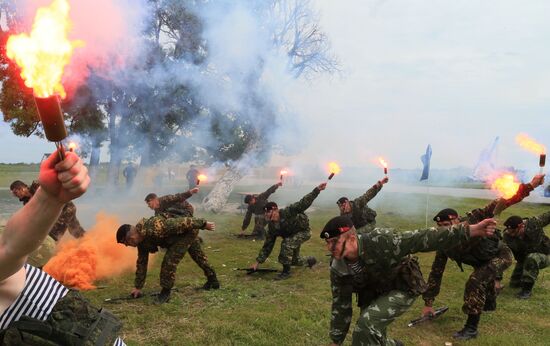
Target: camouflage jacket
258	207
161	232
477	251
384	256
292	220
361	214
175	205
533	240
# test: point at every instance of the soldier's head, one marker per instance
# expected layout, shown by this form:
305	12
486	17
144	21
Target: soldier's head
344	205
271	211
152	201
447	217
250	199
19	189
128	235
515	226
340	235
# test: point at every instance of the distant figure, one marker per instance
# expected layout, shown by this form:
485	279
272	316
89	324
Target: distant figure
171	175
67	219
192	176
130	174
547	191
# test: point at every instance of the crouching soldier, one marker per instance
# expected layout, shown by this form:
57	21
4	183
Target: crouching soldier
174	234
291	224
376	265
531	249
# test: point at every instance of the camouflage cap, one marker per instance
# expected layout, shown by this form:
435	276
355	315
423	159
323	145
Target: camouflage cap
446	215
270	206
336	226
342	200
513	222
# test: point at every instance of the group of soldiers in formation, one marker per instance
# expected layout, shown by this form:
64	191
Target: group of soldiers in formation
375	263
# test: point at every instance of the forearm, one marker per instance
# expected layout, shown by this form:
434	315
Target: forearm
246	220
303	204
266	249
141	270
26	230
341	310
433	239
370	194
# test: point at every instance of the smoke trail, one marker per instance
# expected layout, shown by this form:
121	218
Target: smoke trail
80	262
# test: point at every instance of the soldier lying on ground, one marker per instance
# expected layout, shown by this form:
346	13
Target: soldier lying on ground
489	257
35	309
67	219
256	204
363	217
291	224
376	265
531	249
175	235
171	206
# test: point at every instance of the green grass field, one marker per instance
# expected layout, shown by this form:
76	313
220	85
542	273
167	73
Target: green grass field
256	310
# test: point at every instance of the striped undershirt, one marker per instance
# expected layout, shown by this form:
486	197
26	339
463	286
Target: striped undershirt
40	294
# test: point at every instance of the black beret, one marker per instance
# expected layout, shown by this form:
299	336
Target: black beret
342	200
270	206
513	222
336	226
121	233
446	215
150	197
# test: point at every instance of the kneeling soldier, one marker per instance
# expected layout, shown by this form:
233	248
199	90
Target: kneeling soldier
291	224
531	249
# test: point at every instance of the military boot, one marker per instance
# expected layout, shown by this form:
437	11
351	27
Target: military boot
526	290
285	274
211	283
470	329
311	261
163	296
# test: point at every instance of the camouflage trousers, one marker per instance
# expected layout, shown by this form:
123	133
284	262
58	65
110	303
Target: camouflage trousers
173	256
377	316
290	249
527	271
480	287
200	258
61	226
259	226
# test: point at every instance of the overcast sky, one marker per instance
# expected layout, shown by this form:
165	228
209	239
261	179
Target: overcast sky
454	74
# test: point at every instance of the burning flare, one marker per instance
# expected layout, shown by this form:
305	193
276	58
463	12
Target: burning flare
384	164
506	185
72	146
201	177
333	169
530	144
43	55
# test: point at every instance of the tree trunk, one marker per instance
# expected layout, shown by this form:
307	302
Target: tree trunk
114	151
217	198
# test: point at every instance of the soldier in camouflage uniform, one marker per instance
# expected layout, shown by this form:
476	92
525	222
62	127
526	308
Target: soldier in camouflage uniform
177	206
256	204
378	267
531	249
488	256
363	217
291	224
174	234
67	219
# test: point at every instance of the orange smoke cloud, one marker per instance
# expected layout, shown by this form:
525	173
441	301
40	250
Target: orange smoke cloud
80	262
